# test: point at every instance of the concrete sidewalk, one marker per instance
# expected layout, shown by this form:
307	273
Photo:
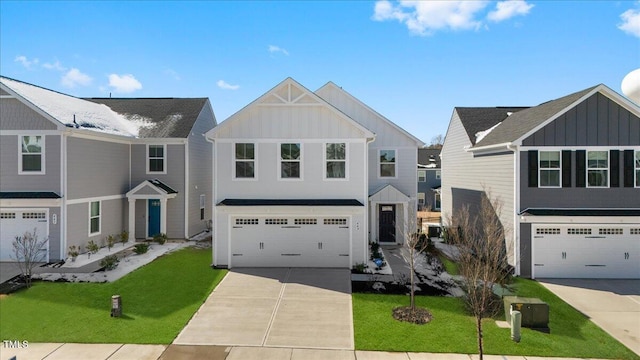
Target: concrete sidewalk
69	351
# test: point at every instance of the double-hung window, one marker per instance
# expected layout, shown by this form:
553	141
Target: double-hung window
637	162
597	168
245	159
549	168
422	176
156	155
94	217
31	159
290	161
336	161
202	204
387	163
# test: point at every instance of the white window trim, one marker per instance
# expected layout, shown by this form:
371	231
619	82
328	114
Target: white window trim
439	174
635	169
422	197
164	159
42	156
325	160
279	159
559	170
435	201
255	162
203	200
424	172
99	218
379	163
608	169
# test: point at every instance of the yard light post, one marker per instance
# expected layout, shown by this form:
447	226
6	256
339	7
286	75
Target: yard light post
116	306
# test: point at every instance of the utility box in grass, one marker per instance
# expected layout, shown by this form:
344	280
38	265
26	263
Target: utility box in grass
535	312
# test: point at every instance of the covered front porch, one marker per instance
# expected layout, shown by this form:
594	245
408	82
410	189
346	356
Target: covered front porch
391	215
155	195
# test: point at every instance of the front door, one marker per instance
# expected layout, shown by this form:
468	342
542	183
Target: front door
154	217
387	223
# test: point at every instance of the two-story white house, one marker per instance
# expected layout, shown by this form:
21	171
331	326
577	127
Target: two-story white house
308	178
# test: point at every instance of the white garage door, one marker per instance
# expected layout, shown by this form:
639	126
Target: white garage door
15	223
586	251
290	241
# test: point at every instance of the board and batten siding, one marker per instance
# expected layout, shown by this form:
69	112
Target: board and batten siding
597	121
492	174
406	179
96	168
200	170
175	178
14	115
10	180
112	222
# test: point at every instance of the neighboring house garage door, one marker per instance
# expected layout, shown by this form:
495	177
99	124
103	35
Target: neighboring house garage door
15	223
586	251
281	241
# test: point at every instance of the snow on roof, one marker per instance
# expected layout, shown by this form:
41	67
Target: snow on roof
74	112
481	134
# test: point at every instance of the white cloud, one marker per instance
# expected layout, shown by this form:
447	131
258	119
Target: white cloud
74	78
427	17
54	66
25	61
630	22
224	85
173	74
275	49
508	9
126	83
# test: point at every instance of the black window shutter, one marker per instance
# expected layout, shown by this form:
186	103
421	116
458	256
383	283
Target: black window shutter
614	167
566	168
628	168
533	168
581	168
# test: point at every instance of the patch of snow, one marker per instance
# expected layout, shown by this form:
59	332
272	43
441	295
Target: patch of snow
76	112
482	134
202	236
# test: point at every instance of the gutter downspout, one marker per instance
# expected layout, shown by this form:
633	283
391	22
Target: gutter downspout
366	197
516	204
214	197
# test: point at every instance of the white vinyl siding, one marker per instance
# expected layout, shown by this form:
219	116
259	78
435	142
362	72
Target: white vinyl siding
94	218
31	159
156	159
290	164
597	169
387	164
549	169
335	161
244	161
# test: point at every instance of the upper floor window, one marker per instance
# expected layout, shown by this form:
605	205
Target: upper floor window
336	161
549	168
421	200
387	163
438	174
245	159
637	168
31	160
597	168
156	155
94	218
202	204
422	176
290	156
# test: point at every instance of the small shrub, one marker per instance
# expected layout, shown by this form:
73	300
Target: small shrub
73	252
375	251
160	238
110	241
92	248
360	268
141	248
124	237
109	262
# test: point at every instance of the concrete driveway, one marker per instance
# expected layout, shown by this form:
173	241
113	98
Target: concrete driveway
8	270
277	307
613	305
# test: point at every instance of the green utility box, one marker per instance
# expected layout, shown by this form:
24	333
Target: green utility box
535	312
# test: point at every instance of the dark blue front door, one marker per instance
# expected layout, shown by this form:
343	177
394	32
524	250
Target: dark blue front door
154	217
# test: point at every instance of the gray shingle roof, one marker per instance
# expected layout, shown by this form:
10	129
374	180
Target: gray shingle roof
424	156
476	119
173	117
521	122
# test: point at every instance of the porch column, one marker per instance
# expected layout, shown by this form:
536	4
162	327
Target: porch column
407	221
132	219
163	215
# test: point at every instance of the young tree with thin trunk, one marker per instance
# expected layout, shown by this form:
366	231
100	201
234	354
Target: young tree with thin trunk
480	238
413	248
28	251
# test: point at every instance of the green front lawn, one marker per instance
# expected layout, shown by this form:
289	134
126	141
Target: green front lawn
157	301
452	331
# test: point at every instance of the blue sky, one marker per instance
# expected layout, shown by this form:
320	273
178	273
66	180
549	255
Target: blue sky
411	61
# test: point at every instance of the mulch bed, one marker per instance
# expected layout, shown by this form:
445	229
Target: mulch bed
373	287
417	315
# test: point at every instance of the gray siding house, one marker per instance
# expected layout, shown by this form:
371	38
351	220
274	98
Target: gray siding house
82	169
429	179
567	173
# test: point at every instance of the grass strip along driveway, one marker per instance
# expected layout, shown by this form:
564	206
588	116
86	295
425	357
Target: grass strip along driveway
157	301
453	331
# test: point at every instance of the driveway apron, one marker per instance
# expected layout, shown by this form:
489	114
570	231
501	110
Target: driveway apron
276	307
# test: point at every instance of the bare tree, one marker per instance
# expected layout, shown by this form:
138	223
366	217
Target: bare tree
479	237
28	252
413	247
436	142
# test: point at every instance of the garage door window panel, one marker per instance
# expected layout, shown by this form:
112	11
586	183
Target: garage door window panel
31	160
94	217
245	161
549	169
336	161
597	169
290	161
7	215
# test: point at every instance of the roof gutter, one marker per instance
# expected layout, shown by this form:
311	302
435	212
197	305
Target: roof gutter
491	148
